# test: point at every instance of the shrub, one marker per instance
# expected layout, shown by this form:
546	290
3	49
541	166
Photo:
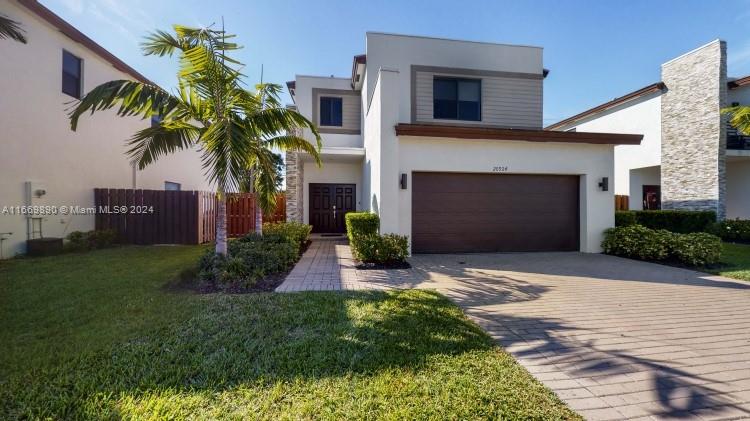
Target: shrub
639	242
359	224
697	249
90	240
732	230
670	220
382	249
625	218
296	232
249	259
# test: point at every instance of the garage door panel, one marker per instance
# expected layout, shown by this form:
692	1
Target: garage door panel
456	212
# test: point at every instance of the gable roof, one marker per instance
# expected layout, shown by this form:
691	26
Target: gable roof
654	87
646	90
71	32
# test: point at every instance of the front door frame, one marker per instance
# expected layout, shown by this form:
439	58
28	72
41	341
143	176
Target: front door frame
336	224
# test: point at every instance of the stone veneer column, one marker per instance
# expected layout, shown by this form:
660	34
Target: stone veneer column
693	131
294	186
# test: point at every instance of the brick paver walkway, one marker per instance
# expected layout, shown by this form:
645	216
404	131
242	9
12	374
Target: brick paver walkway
614	338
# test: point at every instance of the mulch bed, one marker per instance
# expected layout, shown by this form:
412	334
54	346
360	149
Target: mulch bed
188	281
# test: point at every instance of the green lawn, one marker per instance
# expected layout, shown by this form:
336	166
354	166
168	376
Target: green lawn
98	335
737	259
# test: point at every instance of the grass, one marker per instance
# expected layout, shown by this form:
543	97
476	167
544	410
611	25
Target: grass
98	335
736	259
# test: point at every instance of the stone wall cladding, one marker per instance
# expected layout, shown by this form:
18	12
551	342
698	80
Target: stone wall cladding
294	186
693	170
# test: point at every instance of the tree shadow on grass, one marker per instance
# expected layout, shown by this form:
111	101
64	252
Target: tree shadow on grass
254	339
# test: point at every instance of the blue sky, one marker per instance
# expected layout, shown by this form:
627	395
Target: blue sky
595	50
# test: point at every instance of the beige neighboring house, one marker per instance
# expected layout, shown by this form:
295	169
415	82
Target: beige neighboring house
690	157
443	139
39	153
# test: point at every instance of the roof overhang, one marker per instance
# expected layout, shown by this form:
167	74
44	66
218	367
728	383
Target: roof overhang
646	90
523	135
71	32
358	71
738	83
291	86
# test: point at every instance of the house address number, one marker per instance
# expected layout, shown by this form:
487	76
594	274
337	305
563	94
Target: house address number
500	168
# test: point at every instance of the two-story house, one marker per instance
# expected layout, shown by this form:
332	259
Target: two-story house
690	157
42	161
443	139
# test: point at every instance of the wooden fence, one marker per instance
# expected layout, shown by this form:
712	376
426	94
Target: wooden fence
174	217
622	202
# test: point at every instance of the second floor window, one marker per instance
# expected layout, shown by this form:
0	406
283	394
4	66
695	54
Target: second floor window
457	99
172	186
331	111
72	69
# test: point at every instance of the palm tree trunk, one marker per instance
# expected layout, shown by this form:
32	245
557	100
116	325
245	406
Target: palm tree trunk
258	218
221	224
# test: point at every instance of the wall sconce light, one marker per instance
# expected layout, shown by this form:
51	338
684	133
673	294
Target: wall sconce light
604	184
402	182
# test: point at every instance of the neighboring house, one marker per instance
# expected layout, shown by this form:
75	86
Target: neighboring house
443	139
690	157
39	152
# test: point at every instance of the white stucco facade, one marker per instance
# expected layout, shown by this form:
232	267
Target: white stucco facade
388	99
639	165
642	116
39	146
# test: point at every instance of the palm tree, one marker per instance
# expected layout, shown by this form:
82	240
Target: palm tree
234	128
739	118
11	29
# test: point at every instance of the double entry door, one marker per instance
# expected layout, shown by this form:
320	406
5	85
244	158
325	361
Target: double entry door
328	205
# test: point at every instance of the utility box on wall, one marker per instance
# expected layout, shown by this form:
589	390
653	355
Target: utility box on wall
36	193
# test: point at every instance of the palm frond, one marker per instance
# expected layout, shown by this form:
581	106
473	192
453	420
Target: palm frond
740	118
294	143
133	98
264	179
148	144
11	29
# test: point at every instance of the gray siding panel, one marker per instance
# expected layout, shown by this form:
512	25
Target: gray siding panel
351	113
507	101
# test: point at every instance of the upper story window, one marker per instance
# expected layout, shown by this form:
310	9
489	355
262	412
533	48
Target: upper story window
172	186
331	111
72	70
457	99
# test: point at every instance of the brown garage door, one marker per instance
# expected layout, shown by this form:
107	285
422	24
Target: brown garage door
457	212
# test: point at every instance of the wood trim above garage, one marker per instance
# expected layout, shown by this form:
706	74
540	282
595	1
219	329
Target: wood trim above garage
492	133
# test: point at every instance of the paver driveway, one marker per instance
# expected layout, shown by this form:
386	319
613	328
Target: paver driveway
615	338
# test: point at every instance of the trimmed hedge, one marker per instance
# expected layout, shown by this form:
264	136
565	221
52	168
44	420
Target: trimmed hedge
736	230
639	242
90	240
296	232
670	220
370	247
386	249
360	224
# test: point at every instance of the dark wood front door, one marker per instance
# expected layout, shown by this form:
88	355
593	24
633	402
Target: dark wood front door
465	213
328	205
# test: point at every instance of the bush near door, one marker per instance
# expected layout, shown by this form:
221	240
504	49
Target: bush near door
639	242
372	248
670	220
